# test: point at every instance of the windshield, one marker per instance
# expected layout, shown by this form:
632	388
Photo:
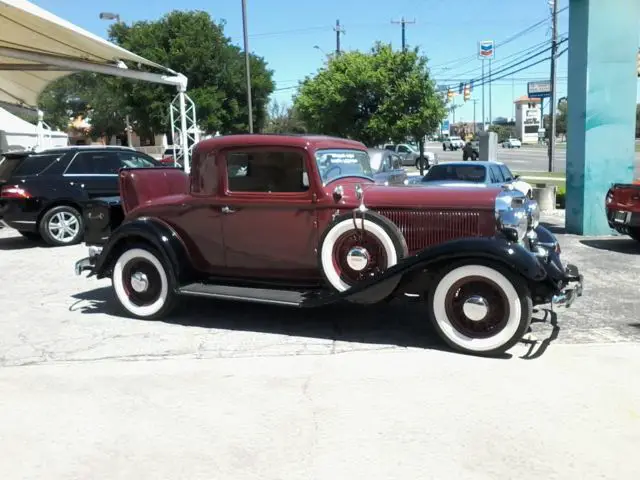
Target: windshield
459	173
336	163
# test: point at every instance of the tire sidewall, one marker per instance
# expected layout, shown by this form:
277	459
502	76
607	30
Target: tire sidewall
383	229
517	293
44	225
166	299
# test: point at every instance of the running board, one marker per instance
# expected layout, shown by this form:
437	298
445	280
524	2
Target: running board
290	298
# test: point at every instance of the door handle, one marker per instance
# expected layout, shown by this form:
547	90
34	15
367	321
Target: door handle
227	209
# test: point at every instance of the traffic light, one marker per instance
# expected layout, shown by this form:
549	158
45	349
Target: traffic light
467	92
449	94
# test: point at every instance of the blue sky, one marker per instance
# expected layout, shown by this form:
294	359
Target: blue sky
285	32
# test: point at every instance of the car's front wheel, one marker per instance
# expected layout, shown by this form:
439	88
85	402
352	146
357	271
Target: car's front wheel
143	283
480	309
62	225
635	233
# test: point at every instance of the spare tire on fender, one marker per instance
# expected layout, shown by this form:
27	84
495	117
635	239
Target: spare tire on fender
348	254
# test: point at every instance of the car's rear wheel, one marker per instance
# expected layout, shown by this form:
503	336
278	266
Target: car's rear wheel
143	284
444	147
351	252
480	309
62	225
423	161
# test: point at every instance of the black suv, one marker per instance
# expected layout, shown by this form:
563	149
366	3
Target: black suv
41	193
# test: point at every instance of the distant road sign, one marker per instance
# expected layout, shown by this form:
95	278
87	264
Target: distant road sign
445	126
540	89
485	49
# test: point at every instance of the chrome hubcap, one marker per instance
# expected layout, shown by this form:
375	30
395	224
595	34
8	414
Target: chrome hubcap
475	308
358	259
139	282
64	226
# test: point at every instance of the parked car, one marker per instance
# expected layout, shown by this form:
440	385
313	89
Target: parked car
41	193
299	221
622	205
387	167
168	157
511	143
452	143
482	174
410	155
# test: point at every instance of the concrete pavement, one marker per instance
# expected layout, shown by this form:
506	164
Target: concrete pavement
237	391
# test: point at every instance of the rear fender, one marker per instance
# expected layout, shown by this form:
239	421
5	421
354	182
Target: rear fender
146	230
412	269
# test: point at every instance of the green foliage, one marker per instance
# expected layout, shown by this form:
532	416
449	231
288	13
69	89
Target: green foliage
283	119
504	132
189	42
372	97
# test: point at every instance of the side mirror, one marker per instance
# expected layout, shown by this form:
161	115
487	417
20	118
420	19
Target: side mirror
516	177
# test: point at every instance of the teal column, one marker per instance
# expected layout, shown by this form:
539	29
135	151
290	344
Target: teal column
603	44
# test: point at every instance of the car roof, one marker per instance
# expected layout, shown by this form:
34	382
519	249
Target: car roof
463	163
291	140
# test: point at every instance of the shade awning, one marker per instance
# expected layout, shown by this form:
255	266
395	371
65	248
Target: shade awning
37	47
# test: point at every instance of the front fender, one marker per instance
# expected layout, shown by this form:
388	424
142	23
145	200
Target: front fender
153	231
502	251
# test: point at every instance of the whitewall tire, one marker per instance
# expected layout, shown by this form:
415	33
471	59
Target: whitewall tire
142	283
349	254
480	309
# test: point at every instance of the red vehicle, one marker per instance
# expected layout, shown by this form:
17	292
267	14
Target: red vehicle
299	221
622	204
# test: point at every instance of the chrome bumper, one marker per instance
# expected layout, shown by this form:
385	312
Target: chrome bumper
89	262
572	290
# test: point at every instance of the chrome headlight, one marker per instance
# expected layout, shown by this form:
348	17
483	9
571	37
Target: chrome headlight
533	212
512	215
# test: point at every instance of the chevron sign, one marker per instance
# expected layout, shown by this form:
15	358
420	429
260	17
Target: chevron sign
485	49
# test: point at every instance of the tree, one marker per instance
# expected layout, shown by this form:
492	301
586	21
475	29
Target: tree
372	97
189	42
504	132
283	119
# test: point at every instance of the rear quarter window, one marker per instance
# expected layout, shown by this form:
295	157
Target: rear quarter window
34	165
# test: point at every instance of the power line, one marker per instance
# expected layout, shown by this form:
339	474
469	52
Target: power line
502	43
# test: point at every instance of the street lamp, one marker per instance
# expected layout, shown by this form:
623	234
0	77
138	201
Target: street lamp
116	17
246	61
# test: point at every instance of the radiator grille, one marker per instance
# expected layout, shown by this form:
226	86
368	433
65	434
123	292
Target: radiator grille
423	228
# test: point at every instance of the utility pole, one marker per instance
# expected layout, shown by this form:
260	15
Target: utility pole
338	29
246	61
490	79
483	82
475	125
404	22
552	109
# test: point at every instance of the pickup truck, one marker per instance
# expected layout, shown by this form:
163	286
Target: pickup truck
452	143
410	155
299	221
622	205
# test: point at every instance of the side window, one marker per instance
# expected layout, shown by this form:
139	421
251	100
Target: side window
94	163
390	147
386	163
506	173
496	176
403	149
267	172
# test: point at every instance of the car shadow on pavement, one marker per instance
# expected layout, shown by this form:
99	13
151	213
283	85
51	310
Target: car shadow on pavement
20	243
396	323
555	228
615	244
537	348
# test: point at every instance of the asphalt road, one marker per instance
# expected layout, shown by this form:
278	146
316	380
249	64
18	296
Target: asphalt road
523	159
232	391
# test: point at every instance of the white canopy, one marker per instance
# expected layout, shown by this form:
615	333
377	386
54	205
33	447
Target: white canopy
37	47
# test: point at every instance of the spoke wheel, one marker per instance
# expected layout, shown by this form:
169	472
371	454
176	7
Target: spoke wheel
142	283
480	309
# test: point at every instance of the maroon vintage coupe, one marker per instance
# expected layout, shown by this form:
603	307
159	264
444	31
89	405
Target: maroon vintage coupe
622	205
299	221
